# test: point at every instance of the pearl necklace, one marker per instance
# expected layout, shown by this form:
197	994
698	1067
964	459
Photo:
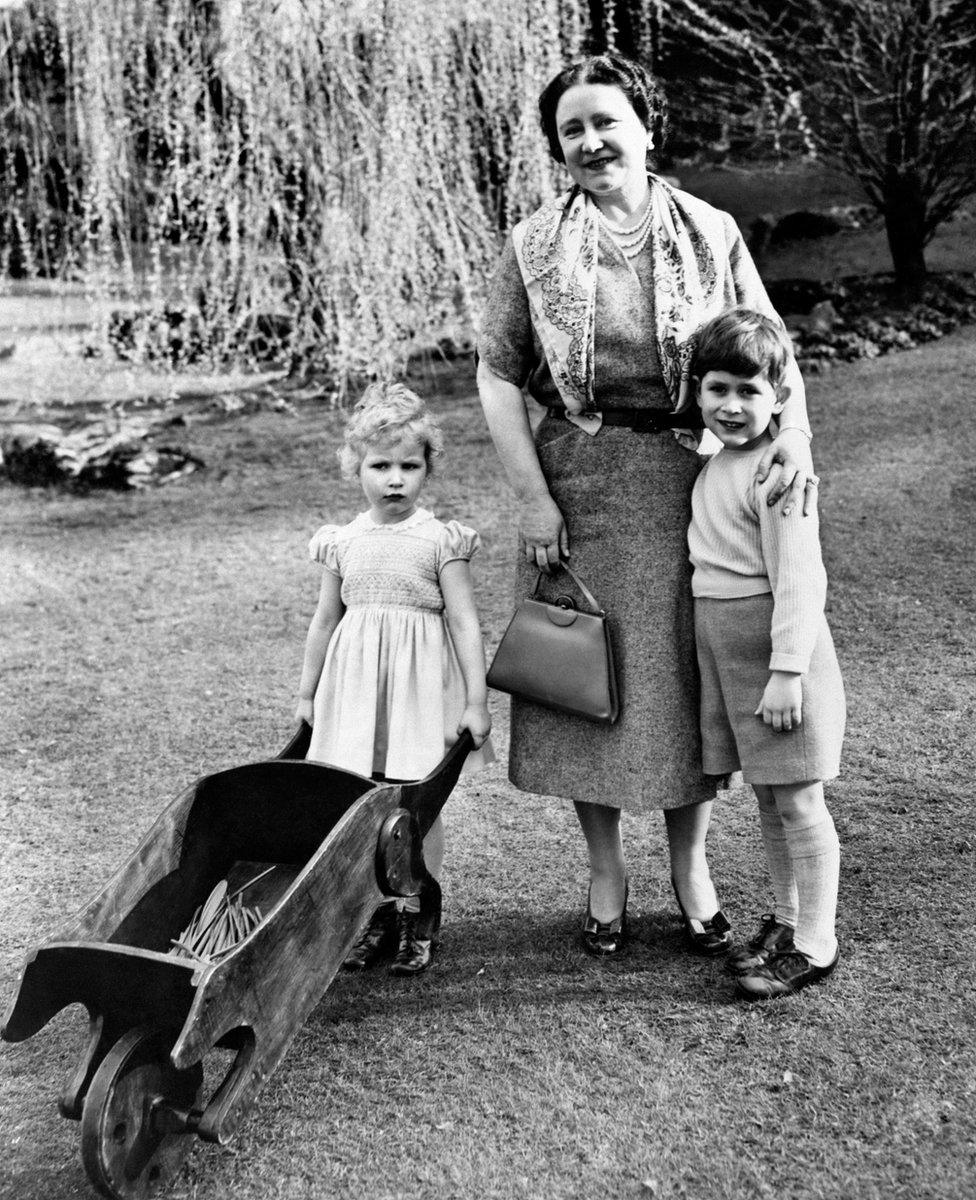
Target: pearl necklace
630	241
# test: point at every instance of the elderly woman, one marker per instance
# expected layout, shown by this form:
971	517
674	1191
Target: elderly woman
592	311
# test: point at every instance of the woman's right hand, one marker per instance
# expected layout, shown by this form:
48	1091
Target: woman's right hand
543	532
304	710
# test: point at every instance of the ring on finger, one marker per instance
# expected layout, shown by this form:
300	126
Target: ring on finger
813	481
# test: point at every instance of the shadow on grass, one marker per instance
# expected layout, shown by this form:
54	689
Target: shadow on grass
515	965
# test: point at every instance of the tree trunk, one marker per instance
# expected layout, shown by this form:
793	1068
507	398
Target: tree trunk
904	213
905	198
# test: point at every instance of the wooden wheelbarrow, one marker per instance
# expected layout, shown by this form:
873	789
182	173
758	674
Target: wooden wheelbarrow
338	844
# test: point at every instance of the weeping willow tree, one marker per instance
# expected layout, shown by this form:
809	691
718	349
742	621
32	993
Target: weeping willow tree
329	176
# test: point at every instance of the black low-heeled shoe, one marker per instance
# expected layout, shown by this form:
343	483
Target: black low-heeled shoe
710	937
601	938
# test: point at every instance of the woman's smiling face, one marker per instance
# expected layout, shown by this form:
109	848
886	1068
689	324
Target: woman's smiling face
603	140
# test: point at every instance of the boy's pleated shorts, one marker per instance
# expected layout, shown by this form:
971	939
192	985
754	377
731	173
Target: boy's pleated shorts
734	645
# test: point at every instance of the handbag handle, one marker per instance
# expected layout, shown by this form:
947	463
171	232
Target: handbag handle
587	594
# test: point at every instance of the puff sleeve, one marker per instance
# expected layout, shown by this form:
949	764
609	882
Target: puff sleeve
323	547
456	541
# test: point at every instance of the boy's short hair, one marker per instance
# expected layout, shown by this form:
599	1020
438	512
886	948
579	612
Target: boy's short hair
385	413
743	342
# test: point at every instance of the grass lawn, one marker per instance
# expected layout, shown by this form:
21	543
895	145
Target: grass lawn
749	191
150	638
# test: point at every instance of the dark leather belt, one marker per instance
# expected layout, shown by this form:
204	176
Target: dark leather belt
643	420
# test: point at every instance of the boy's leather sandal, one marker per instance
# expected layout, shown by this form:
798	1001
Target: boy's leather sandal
772	936
783	974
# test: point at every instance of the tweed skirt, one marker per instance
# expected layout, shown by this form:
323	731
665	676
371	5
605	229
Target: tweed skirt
626	499
734	645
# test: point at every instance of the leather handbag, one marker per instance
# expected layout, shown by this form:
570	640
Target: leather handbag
559	656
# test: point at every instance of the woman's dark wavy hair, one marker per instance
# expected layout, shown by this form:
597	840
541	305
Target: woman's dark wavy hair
639	86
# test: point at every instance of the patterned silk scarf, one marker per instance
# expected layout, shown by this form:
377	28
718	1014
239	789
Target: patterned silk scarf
694	279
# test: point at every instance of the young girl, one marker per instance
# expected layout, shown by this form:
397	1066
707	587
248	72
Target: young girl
387	684
772	698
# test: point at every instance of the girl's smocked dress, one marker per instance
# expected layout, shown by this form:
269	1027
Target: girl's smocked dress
391	690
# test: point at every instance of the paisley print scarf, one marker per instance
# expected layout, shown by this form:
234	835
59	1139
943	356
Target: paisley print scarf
697	274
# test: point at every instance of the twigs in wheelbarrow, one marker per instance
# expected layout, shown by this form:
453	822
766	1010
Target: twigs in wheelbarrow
220	924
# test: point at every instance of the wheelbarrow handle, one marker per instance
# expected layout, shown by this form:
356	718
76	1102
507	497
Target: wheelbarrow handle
299	742
426	797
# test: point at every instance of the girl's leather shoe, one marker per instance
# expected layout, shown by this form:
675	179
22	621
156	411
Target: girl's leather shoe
418	933
376	941
772	937
783	974
710	937
601	938
414	953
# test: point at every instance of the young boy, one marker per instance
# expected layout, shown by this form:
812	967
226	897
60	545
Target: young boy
772	697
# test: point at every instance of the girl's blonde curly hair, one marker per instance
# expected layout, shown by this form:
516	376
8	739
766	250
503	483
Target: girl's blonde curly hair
387	412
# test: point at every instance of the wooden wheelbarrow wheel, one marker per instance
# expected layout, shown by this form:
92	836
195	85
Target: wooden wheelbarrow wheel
137	1114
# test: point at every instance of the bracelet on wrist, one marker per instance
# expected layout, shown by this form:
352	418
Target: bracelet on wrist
806	432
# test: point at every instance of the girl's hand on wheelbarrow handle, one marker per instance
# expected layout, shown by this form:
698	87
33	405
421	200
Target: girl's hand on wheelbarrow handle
476	720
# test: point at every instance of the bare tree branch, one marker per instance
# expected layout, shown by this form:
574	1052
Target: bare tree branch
887	89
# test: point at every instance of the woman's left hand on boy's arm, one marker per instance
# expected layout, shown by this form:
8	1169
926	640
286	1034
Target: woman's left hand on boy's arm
476	720
782	702
790	456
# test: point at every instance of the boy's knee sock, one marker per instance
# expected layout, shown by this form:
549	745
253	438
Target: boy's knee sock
780	864
815	854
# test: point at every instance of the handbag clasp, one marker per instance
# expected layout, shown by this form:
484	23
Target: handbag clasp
562	610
